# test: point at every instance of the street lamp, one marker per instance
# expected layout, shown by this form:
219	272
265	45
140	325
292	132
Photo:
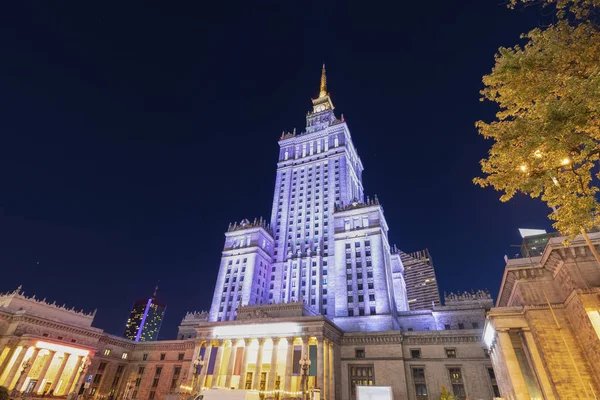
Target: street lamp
198	364
304	368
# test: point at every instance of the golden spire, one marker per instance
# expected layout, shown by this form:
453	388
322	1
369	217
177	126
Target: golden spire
323	90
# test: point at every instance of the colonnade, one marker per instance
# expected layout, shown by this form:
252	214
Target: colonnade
44	369
244	363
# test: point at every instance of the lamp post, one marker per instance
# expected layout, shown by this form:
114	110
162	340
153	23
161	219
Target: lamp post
304	369
198	364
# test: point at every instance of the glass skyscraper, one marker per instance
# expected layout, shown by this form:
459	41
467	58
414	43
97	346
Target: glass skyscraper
145	319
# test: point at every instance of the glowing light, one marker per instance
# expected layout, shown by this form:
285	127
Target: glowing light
565	161
488	335
538	154
523	167
257	330
62	349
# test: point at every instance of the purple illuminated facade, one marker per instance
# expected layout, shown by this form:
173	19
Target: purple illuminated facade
326	244
145	319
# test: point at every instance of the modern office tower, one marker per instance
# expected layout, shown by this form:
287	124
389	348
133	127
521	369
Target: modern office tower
145	319
421	284
535	241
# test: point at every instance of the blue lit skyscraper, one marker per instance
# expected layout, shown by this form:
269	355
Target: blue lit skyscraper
145	319
326	244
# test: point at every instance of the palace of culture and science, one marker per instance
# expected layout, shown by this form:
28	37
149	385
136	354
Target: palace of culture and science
320	282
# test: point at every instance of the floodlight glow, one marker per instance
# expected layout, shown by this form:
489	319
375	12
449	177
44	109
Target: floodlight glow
257	330
488	335
61	349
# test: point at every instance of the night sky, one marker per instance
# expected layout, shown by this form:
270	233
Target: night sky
132	134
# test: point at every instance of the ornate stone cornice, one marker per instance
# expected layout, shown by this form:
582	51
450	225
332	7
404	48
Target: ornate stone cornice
372	339
438	339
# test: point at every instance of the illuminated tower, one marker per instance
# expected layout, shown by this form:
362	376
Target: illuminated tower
145	319
326	244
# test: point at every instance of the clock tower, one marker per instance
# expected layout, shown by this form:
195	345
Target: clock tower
322	115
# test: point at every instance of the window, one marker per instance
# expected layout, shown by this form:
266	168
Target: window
155	382
458	386
359	353
106	352
180	356
151	395
124	356
145	356
415	353
461	326
475	325
420	384
102	366
495	389
451	353
97	378
360	375
447	327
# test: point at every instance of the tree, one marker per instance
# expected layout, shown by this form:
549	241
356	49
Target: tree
3	393
446	395
547	132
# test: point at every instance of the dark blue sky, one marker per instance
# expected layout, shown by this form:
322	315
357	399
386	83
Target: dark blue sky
132	134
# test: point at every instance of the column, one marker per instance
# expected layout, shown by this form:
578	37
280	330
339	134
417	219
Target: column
85	363
60	371
230	365
320	364
273	371
332	372
202	375
257	370
217	370
244	370
326	371
513	368
539	366
10	355
73	375
15	367
288	364
24	372
44	370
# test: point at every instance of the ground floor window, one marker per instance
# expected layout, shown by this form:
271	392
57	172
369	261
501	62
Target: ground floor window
420	384
360	375
458	386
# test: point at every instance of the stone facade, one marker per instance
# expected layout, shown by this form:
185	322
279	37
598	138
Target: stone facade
114	367
543	334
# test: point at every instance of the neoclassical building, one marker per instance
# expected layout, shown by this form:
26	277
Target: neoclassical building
320	283
544	333
54	350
